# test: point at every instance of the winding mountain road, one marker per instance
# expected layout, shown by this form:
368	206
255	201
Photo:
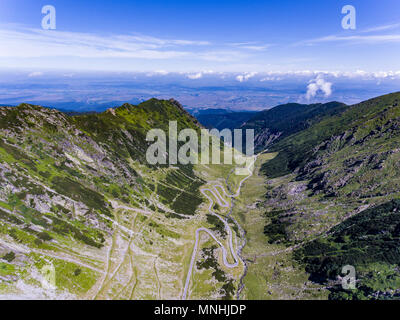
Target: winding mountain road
223	203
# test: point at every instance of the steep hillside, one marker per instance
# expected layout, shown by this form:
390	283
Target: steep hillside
369	242
103	151
279	122
332	195
77	193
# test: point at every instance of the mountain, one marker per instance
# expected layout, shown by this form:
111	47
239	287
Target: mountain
295	150
284	120
77	195
222	119
209	111
269	125
332	199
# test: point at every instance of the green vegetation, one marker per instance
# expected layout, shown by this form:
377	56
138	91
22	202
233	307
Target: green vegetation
217	224
181	191
72	184
78	192
209	262
10	218
64	228
330	200
9	257
364	240
297	149
6	269
68	276
288	119
163	231
276	230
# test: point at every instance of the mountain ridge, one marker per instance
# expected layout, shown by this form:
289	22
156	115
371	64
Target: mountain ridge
72	187
326	185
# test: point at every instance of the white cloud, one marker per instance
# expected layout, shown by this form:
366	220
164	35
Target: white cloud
318	85
361	36
194	76
271	78
372	35
158	73
254	46
198	75
37	43
26	43
356	39
246	76
357	74
35	74
382	28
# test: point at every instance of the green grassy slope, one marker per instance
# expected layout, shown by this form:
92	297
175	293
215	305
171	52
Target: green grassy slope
279	122
333	197
62	178
369	242
297	149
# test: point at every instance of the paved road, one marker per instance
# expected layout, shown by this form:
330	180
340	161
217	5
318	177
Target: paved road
223	203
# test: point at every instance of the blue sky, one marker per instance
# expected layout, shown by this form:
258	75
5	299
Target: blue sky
201	36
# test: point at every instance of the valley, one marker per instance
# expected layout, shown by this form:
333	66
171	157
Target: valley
325	198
